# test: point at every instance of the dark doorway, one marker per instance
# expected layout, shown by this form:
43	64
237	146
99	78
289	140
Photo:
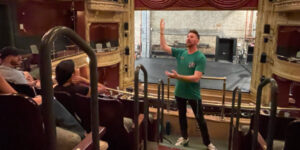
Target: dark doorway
5	39
225	49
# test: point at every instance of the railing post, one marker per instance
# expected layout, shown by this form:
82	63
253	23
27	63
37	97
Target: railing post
272	116
46	82
168	103
223	99
136	106
160	110
231	117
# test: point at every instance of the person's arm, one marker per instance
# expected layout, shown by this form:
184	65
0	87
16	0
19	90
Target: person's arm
189	78
78	79
38	99
163	44
5	88
31	81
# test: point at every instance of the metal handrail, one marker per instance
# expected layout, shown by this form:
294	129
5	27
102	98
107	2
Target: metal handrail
168	93
208	78
223	92
232	114
160	115
46	82
271	122
136	106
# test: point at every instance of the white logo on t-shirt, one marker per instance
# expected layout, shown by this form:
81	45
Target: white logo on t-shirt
191	65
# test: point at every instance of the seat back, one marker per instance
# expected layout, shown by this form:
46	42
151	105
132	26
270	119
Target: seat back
24	89
21	125
292	136
280	126
67	100
82	106
110	116
110	111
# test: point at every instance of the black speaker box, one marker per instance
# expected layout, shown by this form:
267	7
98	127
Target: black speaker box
267	28
263	57
126	26
127	50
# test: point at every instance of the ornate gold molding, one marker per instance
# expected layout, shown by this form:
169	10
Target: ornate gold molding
79	60
106	6
287	5
108	58
286	69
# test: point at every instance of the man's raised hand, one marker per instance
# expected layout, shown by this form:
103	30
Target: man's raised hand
162	26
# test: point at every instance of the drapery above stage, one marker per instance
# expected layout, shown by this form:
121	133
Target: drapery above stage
196	4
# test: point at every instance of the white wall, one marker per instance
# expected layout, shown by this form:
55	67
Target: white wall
209	24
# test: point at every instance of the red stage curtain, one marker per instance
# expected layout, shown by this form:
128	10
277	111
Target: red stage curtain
196	4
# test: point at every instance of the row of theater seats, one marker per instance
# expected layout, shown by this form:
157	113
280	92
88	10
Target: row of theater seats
287	89
22	126
111	115
21	123
287	132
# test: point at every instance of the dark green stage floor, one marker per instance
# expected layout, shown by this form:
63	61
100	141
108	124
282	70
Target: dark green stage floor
237	74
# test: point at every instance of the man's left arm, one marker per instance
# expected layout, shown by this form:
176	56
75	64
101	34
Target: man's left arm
189	78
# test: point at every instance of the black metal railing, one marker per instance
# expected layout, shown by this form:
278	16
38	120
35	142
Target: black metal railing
271	123
47	85
136	107
160	110
237	112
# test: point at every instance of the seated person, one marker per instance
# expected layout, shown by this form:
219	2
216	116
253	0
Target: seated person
71	82
68	81
11	59
65	139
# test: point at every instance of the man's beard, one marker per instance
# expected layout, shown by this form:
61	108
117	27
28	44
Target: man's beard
16	64
189	45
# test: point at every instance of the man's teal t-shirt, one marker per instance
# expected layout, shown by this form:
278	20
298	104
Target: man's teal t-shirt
187	64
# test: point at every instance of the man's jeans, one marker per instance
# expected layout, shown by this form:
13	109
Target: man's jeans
198	112
64	119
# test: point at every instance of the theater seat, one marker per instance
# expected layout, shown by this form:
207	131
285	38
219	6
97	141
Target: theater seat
24	89
21	125
292	136
67	100
110	116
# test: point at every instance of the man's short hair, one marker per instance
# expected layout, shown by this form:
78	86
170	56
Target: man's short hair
195	32
64	71
9	51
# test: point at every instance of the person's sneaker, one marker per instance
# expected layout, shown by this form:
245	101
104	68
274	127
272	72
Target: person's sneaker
211	147
182	142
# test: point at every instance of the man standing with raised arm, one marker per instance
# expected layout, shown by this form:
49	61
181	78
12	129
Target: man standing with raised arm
190	68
